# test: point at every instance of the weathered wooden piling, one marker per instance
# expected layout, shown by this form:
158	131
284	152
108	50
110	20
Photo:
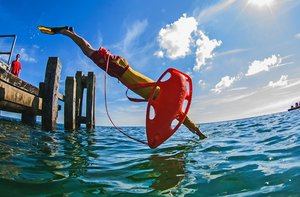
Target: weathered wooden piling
50	94
73	106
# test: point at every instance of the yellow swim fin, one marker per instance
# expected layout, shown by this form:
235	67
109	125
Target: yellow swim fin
53	30
46	30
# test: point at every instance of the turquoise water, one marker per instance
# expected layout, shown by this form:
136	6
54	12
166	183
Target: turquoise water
250	157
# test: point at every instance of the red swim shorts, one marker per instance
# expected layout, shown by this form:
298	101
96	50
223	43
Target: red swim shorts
117	65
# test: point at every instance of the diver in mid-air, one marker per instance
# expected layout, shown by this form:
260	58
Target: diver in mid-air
118	67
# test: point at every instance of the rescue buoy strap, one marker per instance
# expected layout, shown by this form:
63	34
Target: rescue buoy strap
141	85
138	86
135	99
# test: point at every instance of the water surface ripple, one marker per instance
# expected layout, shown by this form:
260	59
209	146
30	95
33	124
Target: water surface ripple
249	157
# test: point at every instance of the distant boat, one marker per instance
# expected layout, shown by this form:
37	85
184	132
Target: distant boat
297	106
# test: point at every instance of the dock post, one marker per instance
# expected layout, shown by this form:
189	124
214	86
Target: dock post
28	118
90	100
50	94
70	101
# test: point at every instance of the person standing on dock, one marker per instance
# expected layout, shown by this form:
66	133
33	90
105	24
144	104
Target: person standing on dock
16	66
118	67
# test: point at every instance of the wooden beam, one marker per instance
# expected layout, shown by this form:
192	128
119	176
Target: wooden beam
60	97
4	65
13	107
50	94
17	96
70	101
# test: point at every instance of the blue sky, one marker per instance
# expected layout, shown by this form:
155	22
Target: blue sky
243	55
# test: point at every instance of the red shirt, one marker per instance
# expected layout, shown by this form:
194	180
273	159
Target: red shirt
16	67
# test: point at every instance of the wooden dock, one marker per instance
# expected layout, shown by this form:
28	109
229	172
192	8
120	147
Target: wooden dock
19	96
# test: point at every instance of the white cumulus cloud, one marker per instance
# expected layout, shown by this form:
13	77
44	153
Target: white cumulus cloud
159	54
297	36
281	82
224	83
202	83
205	48
25	57
266	64
176	38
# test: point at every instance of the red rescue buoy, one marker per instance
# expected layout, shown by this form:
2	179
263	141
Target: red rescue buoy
169	107
169	100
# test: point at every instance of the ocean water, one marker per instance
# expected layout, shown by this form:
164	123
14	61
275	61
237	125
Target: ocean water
251	157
